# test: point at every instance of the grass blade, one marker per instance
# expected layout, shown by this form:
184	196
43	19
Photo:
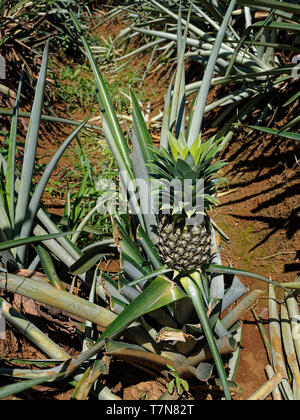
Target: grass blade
88	260
178	100
159	293
49	118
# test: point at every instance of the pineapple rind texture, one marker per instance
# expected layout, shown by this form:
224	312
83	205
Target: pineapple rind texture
184	248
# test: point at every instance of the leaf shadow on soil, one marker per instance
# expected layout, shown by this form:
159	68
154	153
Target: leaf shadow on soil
290	224
268	177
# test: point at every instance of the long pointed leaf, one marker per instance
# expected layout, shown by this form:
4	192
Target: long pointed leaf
194	292
164	134
144	192
141	129
31	145
272	4
196	122
159	293
107	109
178	100
29	240
13	389
149	248
111	127
10	177
286	134
49	118
38	192
213	268
48	266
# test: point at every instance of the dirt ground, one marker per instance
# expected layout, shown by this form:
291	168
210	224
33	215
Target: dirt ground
260	215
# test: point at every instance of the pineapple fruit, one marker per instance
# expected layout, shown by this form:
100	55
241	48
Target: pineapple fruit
185	233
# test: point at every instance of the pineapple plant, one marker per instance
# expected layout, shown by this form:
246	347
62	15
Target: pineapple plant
166	281
180	238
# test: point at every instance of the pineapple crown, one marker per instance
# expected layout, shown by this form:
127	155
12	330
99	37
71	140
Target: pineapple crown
196	170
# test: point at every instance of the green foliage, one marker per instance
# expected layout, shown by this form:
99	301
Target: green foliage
181	384
75	87
255	59
136	168
143	298
47	18
20	195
